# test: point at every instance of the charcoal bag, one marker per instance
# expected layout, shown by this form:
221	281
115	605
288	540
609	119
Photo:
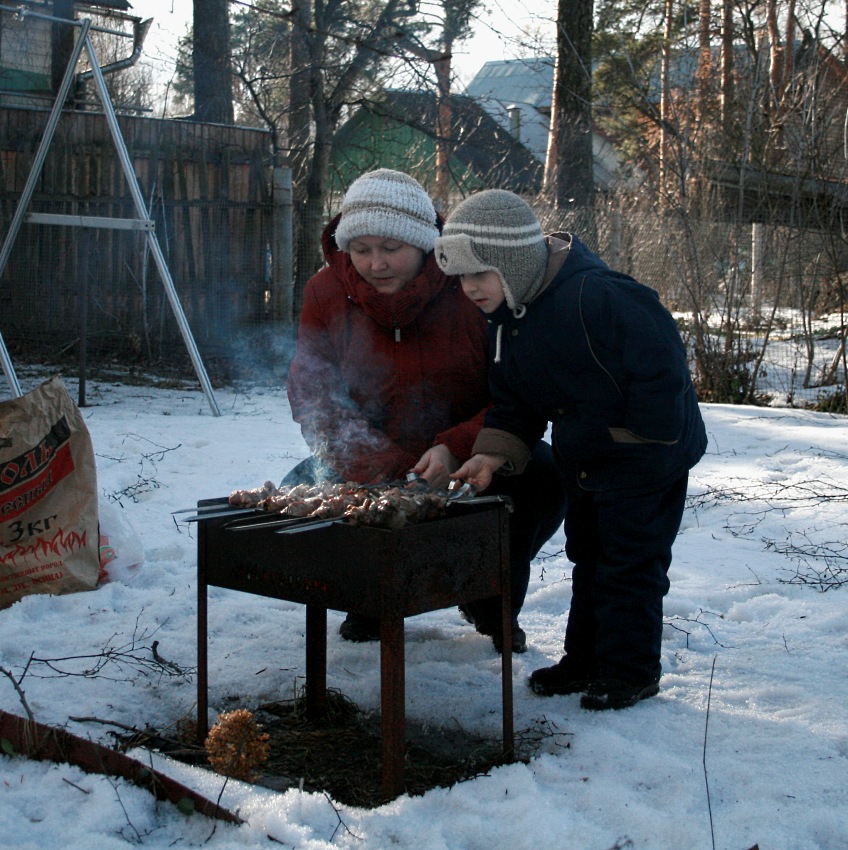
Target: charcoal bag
49	540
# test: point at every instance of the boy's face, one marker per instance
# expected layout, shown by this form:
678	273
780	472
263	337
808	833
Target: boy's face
387	264
484	289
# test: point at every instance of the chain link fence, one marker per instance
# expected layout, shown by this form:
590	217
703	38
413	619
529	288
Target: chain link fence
762	307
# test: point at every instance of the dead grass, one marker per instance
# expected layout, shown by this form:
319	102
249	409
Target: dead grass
341	753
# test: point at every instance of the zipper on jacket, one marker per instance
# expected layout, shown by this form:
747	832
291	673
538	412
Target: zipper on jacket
397	332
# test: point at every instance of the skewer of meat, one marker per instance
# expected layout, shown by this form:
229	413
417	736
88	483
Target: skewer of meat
386	506
253	498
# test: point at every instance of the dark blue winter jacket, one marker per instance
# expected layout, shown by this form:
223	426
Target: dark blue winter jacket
597	355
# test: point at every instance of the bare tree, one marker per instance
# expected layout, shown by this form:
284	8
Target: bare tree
336	54
333	53
301	67
456	27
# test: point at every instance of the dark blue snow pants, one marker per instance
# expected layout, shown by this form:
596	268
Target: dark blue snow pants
539	506
620	544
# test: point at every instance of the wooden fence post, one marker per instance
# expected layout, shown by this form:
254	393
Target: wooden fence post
282	280
757	247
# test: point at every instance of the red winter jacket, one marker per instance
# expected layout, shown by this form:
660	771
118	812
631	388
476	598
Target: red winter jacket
379	379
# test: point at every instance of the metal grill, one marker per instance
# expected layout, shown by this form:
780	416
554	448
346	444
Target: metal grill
388	574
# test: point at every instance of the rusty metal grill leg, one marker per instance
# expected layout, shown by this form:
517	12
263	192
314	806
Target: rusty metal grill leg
316	660
506	655
393	702
506	681
202	669
202	629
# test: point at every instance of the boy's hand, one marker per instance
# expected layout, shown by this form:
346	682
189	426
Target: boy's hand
479	470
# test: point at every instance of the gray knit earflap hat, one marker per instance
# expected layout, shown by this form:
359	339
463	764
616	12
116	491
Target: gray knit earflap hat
389	204
495	230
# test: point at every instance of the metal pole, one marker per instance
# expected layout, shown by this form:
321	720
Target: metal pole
84	247
152	241
84	41
9	369
32	180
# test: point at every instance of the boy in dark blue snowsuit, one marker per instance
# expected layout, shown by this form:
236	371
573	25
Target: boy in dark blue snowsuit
594	353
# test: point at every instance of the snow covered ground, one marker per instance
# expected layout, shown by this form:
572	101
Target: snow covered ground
746	744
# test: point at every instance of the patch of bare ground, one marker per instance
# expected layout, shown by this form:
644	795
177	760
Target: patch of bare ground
341	753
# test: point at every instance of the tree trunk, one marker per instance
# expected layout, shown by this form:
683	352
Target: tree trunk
299	117
549	179
665	103
726	61
213	83
62	39
775	59
789	51
299	129
441	62
310	256
705	59
443	70
570	150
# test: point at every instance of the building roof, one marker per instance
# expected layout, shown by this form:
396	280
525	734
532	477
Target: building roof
517	93
479	143
528	82
120	5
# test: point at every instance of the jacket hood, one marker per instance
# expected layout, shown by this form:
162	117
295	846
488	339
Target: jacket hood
568	257
580	259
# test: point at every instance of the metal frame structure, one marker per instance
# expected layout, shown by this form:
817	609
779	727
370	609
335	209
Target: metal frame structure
143	223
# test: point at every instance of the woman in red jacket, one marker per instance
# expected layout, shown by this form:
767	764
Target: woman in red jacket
390	373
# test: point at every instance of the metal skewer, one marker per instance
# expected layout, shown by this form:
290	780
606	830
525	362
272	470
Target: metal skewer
252	523
220	514
316	522
202	510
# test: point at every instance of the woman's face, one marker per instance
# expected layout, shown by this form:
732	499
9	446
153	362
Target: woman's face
484	289
387	264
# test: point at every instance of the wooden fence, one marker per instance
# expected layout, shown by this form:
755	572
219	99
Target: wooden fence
209	192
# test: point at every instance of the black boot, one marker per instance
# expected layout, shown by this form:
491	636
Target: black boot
489	624
359	628
564	677
605	694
